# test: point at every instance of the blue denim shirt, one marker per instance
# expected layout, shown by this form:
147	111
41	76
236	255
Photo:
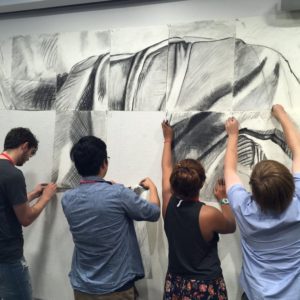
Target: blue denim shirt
106	254
270	246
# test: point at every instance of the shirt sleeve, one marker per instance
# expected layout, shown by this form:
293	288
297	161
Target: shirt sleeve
138	208
16	189
63	200
297	184
237	195
240	202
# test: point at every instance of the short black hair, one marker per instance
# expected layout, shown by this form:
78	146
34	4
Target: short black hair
88	155
18	136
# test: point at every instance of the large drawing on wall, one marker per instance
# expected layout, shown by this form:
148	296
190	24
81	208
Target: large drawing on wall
83	70
138	69
120	84
201	135
200	66
69	128
267	64
5	73
33	72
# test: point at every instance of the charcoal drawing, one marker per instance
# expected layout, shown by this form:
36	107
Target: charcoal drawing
69	128
201	136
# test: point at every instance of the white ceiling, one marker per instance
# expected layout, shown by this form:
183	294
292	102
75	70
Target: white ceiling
7	6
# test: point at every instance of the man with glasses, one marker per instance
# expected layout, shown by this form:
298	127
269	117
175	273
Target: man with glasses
106	259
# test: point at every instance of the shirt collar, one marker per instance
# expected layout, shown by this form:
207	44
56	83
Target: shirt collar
94	178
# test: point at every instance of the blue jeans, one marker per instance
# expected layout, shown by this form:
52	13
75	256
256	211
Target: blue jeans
15	281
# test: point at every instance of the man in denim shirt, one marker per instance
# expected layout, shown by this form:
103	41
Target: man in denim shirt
106	260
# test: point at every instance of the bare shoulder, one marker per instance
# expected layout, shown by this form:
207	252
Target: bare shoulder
209	212
207	218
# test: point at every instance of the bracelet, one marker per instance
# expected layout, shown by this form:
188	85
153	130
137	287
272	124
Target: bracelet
224	201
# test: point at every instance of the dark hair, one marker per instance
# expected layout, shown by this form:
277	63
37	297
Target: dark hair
18	136
187	178
89	154
272	186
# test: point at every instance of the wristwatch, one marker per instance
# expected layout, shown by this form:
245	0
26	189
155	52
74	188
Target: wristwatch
224	201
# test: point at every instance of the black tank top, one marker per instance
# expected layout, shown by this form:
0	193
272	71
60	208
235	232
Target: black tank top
190	255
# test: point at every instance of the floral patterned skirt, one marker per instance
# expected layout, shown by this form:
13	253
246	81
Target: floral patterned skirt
180	288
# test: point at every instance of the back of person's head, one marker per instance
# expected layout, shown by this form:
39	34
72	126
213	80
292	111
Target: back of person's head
19	136
88	155
272	186
187	179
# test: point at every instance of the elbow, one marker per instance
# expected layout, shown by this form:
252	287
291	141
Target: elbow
232	228
26	222
156	215
229	228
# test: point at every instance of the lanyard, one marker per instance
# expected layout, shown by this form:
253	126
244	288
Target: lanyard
93	181
8	157
88	181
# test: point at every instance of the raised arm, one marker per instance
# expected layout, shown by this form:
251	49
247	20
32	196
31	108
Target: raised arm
166	165
291	134
231	155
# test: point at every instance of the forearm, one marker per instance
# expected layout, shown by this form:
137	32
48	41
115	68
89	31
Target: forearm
34	211
228	215
153	196
167	167
230	164
31	196
166	162
291	133
231	155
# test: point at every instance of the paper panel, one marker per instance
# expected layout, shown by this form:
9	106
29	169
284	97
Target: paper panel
138	69
83	70
267	64
200	66
69	128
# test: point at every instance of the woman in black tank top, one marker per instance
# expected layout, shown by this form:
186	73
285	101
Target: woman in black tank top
194	269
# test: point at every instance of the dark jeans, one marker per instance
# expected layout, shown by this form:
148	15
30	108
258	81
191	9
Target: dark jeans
244	297
15	281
